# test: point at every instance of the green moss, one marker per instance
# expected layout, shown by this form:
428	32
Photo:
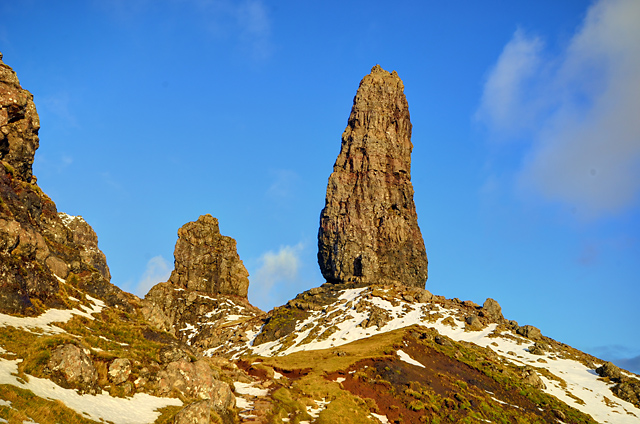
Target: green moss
416	405
9	169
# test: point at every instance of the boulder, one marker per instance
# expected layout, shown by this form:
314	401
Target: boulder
538	348
195	380
195	413
610	371
530	332
369	227
173	353
628	389
119	370
71	368
473	323
530	377
491	309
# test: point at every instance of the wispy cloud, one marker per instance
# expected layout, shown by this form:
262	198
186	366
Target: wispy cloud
255	25
59	105
276	269
247	20
631	364
158	270
578	109
508	83
283	184
623	356
124	10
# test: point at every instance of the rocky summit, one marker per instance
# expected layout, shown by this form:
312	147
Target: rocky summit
369	227
75	349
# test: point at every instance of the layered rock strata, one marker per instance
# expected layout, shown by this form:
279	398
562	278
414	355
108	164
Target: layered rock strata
39	248
369	227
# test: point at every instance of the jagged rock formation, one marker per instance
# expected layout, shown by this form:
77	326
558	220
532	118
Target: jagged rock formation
208	285
38	247
354	352
368	228
207	261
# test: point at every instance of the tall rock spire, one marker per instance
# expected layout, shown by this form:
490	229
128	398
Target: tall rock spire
369	227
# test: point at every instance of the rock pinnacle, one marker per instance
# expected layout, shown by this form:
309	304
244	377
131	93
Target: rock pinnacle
369	227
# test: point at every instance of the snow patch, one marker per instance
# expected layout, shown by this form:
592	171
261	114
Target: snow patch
321	405
408	359
249	389
45	321
68	219
382	418
345	325
141	408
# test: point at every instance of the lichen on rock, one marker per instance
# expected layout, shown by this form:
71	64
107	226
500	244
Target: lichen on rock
369	227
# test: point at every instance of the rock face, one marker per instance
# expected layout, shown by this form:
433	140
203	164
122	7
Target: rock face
87	241
368	228
19	125
207	261
38	246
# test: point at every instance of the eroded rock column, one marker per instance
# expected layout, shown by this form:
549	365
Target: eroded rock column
369	228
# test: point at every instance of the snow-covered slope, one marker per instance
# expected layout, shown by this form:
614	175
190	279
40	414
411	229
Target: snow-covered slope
359	313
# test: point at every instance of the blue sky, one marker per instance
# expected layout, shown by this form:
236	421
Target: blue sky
526	161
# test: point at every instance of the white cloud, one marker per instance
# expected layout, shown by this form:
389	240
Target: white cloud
158	271
508	83
580	110
276	268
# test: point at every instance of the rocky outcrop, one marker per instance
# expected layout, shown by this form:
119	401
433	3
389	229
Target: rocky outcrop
492	310
368	228
87	241
208	285
207	261
530	332
39	248
200	319
19	125
626	387
72	368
